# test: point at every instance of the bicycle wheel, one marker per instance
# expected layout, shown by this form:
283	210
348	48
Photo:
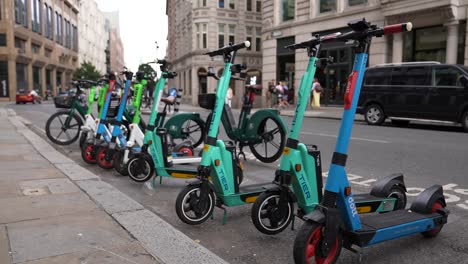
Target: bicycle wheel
193	130
272	138
63	128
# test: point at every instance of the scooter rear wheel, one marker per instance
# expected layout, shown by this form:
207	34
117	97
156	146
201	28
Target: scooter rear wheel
88	153
267	216
307	245
140	168
105	158
189	207
434	232
119	164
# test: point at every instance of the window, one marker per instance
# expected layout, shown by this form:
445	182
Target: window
35	48
201	3
67	34
327	6
204	36
37	79
46	20
259	7
398	76
36	16
425	44
357	2
3	40
50	18
21	7
198	35
287	9
21	76
447	76
58	27
221	35
75	38
20	45
378	76
248	5
232	4
418	76
248	33
47	53
221	3
258	39
232	34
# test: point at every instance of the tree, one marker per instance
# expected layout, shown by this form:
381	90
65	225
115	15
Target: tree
87	71
150	73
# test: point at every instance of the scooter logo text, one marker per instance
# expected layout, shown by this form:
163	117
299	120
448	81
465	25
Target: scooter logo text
304	186
222	177
352	206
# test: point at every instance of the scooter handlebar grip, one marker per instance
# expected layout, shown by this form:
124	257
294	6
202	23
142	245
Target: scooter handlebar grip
397	28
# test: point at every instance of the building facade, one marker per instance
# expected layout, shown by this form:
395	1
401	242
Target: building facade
114	50
38	45
92	25
198	26
439	34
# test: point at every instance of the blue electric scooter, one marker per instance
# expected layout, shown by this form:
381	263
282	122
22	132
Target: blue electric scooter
335	223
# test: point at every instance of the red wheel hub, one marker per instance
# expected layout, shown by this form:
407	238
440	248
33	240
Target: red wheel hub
89	153
187	151
313	246
437	205
103	161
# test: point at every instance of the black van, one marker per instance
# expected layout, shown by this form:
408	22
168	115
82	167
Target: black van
415	90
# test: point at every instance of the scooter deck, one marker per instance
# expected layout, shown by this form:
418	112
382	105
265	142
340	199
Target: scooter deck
377	228
185	172
259	187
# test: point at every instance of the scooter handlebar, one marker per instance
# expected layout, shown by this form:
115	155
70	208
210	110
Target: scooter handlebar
397	28
313	42
228	49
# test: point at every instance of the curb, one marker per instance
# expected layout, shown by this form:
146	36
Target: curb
164	242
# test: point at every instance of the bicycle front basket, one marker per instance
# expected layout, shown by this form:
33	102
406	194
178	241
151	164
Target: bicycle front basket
207	101
63	101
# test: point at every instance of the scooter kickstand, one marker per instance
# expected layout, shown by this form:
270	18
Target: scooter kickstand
224	215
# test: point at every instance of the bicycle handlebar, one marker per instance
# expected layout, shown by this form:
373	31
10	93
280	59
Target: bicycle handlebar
228	49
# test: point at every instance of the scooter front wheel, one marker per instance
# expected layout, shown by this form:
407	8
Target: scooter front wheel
119	164
270	215
194	207
88	153
307	245
105	158
140	168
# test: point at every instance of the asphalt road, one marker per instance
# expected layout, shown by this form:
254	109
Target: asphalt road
426	154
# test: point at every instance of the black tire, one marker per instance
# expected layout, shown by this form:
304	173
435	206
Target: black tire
268	136
55	127
266	207
398	193
400	123
140	167
311	233
119	165
374	115
184	199
464	121
83	137
192	130
434	232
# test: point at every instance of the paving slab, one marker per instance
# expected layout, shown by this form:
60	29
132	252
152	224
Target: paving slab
132	253
55	236
55	186
164	241
39	206
19	174
108	197
5	257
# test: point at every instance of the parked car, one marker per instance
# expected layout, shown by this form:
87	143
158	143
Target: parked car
23	97
415	90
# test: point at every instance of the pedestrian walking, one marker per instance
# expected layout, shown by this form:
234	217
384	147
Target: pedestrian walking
272	93
316	92
229	96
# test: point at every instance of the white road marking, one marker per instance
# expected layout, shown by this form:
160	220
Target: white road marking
352	138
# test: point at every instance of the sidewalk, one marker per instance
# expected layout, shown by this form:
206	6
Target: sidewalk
326	112
55	211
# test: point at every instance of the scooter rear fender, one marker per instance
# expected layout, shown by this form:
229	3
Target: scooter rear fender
382	187
424	201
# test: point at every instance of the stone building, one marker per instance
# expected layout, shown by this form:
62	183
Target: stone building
439	34
38	45
115	50
198	26
92	25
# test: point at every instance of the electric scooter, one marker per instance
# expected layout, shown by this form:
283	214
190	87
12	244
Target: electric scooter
301	168
156	153
103	132
335	223
196	202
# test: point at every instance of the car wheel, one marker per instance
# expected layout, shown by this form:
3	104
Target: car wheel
374	115
464	121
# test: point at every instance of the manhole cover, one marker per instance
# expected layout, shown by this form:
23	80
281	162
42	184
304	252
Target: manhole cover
35	191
